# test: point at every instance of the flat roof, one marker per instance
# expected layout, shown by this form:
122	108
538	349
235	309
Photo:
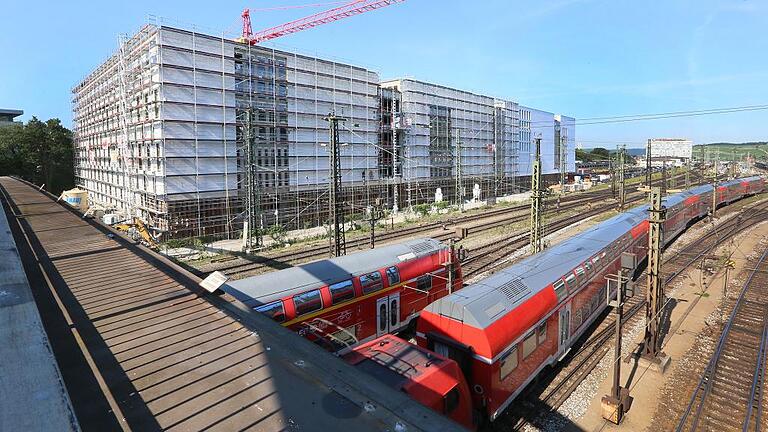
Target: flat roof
12	112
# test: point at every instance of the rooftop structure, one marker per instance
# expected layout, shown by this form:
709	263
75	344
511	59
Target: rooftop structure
7	116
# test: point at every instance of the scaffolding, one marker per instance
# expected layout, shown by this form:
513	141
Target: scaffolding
160	131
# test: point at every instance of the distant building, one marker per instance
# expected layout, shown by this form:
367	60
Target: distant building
671	148
7	116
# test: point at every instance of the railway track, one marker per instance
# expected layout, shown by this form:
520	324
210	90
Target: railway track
729	395
244	267
247	266
554	388
485	258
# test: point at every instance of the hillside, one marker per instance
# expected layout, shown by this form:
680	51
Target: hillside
729	151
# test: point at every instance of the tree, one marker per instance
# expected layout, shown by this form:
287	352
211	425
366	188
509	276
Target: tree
40	152
599	153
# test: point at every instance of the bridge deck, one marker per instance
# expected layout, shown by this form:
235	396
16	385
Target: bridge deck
142	347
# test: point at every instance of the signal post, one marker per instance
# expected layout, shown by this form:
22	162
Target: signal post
618	402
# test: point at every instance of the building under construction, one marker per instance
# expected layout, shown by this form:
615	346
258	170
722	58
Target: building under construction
187	131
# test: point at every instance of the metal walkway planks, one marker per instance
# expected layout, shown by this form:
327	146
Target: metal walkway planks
142	347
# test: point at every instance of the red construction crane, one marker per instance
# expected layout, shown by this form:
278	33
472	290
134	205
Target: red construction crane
352	8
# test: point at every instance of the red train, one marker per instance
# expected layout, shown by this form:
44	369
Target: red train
343	301
502	331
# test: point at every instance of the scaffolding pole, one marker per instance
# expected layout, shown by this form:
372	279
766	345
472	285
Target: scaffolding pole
536	197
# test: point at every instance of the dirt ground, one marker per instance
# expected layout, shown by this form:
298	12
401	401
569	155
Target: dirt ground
694	326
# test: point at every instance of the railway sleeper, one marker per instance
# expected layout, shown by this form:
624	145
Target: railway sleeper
715	421
728	395
739	342
738	368
730	390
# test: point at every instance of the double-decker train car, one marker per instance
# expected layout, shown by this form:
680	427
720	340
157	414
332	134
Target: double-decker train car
342	301
503	330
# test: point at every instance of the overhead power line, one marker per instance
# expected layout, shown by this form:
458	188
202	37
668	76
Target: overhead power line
659	116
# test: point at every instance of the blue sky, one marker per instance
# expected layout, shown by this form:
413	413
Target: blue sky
584	58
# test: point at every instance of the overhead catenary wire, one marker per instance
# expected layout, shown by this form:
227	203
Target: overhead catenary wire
658	116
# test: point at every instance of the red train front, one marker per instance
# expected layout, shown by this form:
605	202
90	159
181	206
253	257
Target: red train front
343	301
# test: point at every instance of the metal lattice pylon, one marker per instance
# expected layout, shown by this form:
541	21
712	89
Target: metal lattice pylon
338	246
536	195
655	294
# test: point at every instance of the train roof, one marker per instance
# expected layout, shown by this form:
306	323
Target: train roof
268	287
482	303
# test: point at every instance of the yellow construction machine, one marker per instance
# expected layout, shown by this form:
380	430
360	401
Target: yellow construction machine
137	231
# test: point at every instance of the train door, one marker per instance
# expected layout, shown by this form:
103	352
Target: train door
387	314
564	333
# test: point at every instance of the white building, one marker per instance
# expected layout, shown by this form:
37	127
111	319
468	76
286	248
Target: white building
161	126
494	138
671	148
159	130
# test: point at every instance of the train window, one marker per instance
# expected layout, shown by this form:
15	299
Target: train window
508	363
393	276
596	261
570	280
274	310
307	302
541	332
529	344
559	289
342	291
451	400
580	272
371	282
588	267
424	283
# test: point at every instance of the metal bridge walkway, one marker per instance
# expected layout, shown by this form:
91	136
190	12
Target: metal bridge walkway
142	347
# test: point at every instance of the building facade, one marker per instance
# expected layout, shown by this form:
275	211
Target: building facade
182	129
671	148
